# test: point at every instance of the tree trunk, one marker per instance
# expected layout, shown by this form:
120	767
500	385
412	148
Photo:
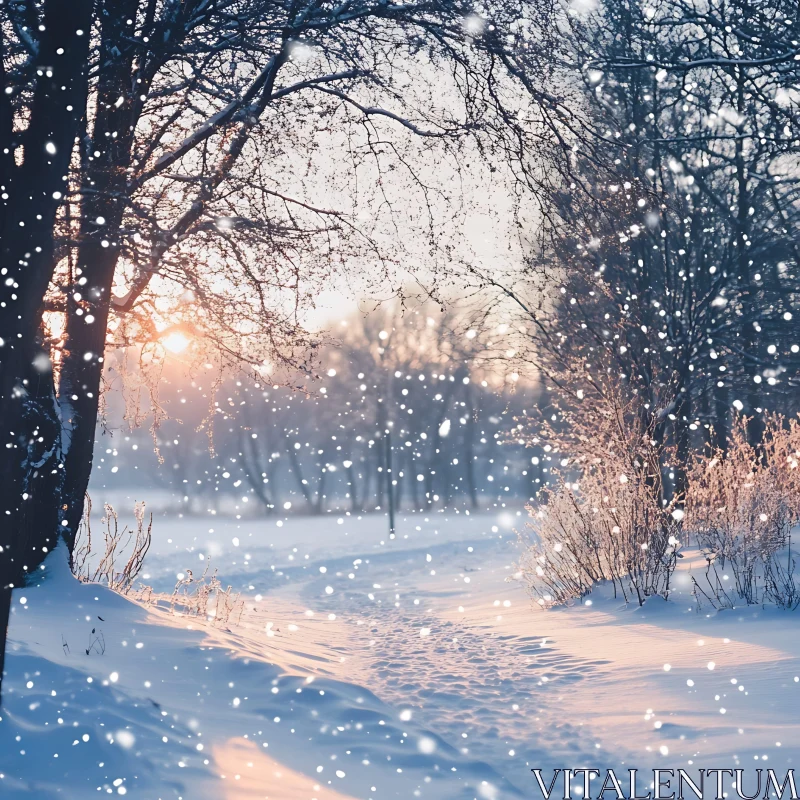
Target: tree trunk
35	188
102	209
721	417
750	339
254	470
469	448
366	492
351	482
298	474
387	444
683	411
27	232
436	440
319	506
5	613
81	374
412	477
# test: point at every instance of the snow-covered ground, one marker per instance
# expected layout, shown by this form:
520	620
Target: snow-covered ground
366	667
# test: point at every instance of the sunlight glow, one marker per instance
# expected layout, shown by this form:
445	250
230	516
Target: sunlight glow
176	342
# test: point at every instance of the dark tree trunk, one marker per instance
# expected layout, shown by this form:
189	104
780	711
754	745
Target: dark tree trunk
750	339
81	374
387	444
435	460
469	448
319	506
254	470
34	191
102	209
366	492
36	187
412	476
380	477
298	474
351	482
399	483
683	411
705	416
721	417
43	479
5	613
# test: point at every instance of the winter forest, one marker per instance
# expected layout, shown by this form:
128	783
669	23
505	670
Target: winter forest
398	397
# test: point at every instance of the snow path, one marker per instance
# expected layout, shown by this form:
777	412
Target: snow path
491	696
598	692
369	668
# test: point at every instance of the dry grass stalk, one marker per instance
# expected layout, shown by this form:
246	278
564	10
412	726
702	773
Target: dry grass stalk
205	597
202	597
123	554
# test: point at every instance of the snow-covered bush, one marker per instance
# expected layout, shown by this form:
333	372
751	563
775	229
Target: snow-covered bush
609	517
741	506
609	527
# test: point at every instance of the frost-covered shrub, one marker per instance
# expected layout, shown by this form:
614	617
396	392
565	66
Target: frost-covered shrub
741	506
204	597
617	523
611	526
119	559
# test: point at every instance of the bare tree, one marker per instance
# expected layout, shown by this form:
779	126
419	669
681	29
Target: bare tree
670	260
167	169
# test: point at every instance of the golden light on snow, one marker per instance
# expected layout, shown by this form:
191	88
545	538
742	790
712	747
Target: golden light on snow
245	769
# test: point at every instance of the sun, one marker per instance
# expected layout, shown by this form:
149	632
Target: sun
176	342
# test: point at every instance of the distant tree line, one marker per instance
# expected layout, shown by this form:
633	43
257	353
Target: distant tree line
406	415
